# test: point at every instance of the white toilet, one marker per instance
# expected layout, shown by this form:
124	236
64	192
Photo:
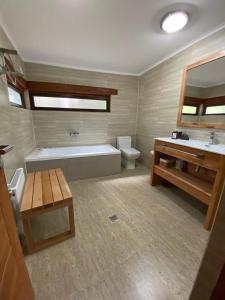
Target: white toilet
128	154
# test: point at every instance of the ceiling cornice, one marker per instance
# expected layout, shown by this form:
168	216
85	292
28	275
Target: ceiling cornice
202	37
81	69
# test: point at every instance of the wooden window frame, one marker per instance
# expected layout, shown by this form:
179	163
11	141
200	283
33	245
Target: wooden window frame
193	105
192	101
23	105
19	86
217	101
205	107
47	89
95	97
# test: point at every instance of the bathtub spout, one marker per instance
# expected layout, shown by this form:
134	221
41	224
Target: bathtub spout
73	133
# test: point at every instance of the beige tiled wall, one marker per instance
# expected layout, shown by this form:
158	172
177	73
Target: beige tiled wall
16	126
148	104
52	128
159	96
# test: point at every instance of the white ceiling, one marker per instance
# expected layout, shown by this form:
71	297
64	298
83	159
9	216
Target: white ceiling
121	36
208	75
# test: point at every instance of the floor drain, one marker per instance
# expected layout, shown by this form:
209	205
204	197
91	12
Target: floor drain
113	218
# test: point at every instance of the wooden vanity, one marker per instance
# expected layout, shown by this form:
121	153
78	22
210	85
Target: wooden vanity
203	174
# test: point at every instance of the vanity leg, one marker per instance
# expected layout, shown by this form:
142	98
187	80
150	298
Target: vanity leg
214	204
155	179
210	215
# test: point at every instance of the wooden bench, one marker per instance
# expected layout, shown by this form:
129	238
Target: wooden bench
44	192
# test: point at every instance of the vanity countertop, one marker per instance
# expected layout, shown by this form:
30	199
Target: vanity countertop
202	145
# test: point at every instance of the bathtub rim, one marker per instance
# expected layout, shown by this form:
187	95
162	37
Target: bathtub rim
56	157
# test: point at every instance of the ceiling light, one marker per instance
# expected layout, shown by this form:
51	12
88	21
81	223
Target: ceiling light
174	21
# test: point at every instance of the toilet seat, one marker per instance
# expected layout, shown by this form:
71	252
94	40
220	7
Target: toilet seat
130	152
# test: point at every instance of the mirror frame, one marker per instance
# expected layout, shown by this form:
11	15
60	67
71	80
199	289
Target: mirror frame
182	93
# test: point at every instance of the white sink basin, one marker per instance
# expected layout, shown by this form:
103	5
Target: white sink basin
218	148
202	145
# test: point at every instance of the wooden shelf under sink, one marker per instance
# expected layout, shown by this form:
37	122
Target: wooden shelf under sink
196	187
202	176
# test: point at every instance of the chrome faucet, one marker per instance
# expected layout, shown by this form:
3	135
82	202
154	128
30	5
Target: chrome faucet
212	140
73	133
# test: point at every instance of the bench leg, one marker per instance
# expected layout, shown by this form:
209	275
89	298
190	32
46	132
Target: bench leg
71	218
28	233
33	246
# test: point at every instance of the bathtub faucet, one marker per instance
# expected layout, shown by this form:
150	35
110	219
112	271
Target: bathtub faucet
73	133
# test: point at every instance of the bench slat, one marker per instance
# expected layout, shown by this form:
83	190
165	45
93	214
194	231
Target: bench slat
56	191
63	185
37	195
47	188
28	193
46	191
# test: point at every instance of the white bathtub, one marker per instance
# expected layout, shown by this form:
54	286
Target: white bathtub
77	162
69	152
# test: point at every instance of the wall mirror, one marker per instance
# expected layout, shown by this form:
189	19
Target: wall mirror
202	100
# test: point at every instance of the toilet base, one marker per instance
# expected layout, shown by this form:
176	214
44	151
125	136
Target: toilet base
128	164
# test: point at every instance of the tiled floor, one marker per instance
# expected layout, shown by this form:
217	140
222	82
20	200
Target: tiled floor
152	252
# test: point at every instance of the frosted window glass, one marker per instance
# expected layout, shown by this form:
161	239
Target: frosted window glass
69	103
190	110
215	110
14	97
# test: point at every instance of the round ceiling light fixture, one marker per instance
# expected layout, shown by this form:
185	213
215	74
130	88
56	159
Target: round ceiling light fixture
174	21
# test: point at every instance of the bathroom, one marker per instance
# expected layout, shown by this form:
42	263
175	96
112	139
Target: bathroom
155	242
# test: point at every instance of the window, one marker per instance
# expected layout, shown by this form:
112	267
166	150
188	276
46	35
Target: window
215	110
96	103
61	96
15	97
190	110
16	86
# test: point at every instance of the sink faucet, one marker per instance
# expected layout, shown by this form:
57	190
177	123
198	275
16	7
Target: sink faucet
212	140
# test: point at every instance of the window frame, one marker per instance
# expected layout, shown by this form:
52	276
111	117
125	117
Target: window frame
23	105
205	107
19	86
186	114
53	89
106	98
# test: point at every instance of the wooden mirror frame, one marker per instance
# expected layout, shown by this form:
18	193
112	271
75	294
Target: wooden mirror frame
182	93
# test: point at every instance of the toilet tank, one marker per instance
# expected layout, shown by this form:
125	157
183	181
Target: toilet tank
123	142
